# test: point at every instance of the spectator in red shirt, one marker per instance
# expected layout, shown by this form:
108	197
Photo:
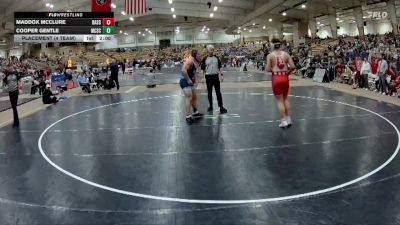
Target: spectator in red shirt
394	86
374	66
357	69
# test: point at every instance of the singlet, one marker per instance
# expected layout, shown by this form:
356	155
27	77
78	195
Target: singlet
279	66
191	72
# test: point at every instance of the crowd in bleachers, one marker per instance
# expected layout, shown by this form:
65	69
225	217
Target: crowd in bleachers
358	61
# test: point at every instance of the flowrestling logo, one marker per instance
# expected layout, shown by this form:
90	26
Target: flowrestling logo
377	15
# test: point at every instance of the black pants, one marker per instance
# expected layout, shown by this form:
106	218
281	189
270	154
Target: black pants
86	87
382	83
41	90
33	89
363	81
114	78
213	80
52	100
14	101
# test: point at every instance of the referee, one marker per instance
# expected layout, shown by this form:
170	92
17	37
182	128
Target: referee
212	67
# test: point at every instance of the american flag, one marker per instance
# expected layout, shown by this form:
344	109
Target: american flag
135	7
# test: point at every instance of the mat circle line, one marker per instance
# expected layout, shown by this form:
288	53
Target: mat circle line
201	201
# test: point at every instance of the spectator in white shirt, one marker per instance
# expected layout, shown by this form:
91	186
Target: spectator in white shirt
365	70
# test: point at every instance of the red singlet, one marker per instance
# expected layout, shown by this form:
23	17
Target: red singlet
280	76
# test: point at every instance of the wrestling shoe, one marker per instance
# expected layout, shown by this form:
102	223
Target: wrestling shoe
189	119
222	110
283	124
289	121
197	114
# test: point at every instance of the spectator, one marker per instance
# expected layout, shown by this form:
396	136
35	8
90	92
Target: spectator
357	70
394	86
83	81
382	69
365	70
114	73
123	67
48	97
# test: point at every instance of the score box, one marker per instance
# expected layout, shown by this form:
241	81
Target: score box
108	22
108	30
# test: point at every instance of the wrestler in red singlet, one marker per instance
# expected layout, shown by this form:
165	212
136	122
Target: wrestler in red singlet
277	63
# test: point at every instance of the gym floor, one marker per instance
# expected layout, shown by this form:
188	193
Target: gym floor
132	159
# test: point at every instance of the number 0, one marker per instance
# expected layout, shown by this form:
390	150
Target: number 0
108	30
108	22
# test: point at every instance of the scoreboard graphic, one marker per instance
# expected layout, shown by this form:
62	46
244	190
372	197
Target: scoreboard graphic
63	26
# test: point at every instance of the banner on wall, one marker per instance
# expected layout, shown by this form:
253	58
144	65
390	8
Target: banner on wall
101	5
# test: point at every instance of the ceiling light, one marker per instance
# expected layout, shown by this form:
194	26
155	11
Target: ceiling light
239	28
174	16
204	27
51	6
146	29
120	31
47	4
143	35
211	15
215	8
264	27
254	24
131	18
177	28
364	17
170	2
284	14
303	6
270	20
123	13
245	28
113	6
322	25
202	30
139	32
250	30
337	19
172	9
220	1
318	22
150	32
238	31
340	21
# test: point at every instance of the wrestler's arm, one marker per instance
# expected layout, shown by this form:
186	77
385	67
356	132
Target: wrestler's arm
269	64
292	67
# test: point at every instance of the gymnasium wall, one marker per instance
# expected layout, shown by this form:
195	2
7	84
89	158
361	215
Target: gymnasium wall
181	38
350	29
